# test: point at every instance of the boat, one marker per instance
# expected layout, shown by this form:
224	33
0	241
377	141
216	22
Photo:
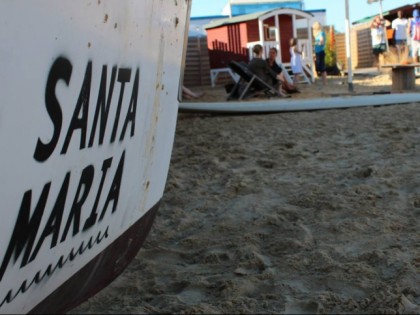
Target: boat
89	101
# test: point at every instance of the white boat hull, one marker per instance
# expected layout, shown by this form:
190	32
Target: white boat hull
292	105
88	111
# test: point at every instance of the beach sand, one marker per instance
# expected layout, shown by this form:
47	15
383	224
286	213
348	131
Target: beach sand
364	83
299	212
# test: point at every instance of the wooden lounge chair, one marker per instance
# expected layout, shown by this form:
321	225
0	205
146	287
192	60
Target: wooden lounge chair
249	83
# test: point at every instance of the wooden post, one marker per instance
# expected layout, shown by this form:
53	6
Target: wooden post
403	78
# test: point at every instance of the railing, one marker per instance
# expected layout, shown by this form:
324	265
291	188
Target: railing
306	50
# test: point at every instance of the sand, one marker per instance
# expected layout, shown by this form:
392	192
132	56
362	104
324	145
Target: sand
300	212
363	82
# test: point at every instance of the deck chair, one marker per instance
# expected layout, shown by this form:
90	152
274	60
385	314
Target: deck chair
248	82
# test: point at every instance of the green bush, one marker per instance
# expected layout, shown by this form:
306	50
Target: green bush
330	52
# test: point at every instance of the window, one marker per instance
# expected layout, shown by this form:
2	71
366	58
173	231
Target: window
272	33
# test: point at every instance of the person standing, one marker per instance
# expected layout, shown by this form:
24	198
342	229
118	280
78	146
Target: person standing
320	41
295	60
377	32
399	25
413	29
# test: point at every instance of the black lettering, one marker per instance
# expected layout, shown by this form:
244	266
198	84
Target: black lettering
82	107
123	77
93	215
85	184
114	191
26	229
131	113
102	106
54	221
60	70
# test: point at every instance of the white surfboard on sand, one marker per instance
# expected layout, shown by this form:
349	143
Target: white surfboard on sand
285	105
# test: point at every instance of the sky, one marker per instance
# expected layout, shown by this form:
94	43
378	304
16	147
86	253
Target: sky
335	9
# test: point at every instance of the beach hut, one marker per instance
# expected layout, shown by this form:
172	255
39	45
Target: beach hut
240	7
233	38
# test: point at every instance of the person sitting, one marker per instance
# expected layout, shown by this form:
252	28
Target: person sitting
188	94
287	86
261	68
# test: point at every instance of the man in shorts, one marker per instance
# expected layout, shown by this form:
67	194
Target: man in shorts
377	32
414	31
399	25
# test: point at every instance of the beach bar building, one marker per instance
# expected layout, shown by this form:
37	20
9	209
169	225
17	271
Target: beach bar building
233	38
361	43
